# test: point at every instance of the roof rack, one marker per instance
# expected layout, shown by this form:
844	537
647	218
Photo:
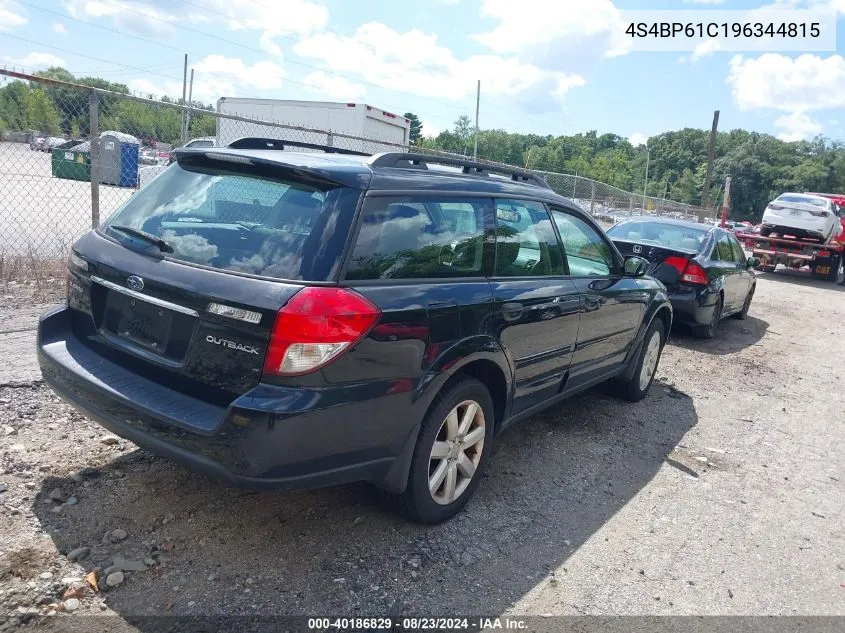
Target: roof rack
254	142
407	160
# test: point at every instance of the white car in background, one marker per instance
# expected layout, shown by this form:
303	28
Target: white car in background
802	215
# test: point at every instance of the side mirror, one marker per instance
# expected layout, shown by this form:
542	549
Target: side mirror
635	266
752	262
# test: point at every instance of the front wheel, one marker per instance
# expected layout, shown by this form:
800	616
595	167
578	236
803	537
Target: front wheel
454	443
636	387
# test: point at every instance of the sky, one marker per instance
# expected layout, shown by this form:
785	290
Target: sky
545	66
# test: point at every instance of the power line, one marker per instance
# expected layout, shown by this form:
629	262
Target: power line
98	59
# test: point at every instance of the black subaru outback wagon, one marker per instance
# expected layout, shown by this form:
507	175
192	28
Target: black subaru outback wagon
296	319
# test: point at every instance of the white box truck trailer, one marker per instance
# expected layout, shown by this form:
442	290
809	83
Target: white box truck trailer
355	119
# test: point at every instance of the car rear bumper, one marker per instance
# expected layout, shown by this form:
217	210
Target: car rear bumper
805	224
271	437
693	306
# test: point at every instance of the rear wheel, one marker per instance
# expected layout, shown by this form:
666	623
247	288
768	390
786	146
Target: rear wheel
709	330
451	453
636	387
840	271
765	232
747	304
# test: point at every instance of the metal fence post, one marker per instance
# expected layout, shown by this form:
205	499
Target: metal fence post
592	197
630	206
94	140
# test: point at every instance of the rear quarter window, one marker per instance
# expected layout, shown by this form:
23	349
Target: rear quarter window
405	238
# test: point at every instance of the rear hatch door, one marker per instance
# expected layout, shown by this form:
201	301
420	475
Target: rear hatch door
183	283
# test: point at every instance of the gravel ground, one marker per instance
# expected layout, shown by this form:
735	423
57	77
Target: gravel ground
721	493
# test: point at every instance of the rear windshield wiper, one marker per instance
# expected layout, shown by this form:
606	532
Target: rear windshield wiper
163	246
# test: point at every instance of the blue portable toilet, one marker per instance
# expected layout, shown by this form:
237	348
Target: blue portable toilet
128	165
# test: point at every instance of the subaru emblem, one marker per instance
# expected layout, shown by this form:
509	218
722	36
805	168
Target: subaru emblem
637	249
135	282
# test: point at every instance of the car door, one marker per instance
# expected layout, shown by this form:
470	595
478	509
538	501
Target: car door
725	261
535	306
614	305
744	275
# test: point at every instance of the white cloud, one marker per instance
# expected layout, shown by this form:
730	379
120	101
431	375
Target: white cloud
430	130
219	76
335	87
415	62
11	15
59	28
527	24
797	126
35	61
565	83
705	49
805	83
638	138
153	18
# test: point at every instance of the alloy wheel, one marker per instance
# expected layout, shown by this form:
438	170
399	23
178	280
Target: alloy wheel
456	452
650	358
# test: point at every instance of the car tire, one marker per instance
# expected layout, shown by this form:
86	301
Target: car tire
461	451
636	387
840	271
765	232
708	330
743	314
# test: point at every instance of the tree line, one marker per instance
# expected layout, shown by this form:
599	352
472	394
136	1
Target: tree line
61	110
761	166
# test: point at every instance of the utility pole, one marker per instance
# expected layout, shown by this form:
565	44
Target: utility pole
477	105
645	184
190	100
184	89
726	201
711	153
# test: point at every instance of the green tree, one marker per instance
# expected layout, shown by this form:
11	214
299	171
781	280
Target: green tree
415	133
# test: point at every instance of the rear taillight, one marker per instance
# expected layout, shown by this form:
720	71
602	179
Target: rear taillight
689	271
775	207
315	327
819	214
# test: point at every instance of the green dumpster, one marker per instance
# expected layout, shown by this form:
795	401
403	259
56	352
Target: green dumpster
73	163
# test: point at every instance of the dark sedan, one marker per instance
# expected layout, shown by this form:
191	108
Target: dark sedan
704	268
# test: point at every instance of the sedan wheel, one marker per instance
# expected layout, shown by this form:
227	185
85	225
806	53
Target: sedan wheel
840	274
456	452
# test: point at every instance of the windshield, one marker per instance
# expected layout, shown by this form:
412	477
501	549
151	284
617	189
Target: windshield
664	234
241	222
816	202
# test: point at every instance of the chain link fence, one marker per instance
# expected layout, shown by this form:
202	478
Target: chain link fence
71	155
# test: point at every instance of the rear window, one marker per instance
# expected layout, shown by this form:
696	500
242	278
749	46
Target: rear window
242	222
816	202
671	235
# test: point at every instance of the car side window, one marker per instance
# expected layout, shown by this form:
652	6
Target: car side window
738	252
526	244
405	238
587	253
723	249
